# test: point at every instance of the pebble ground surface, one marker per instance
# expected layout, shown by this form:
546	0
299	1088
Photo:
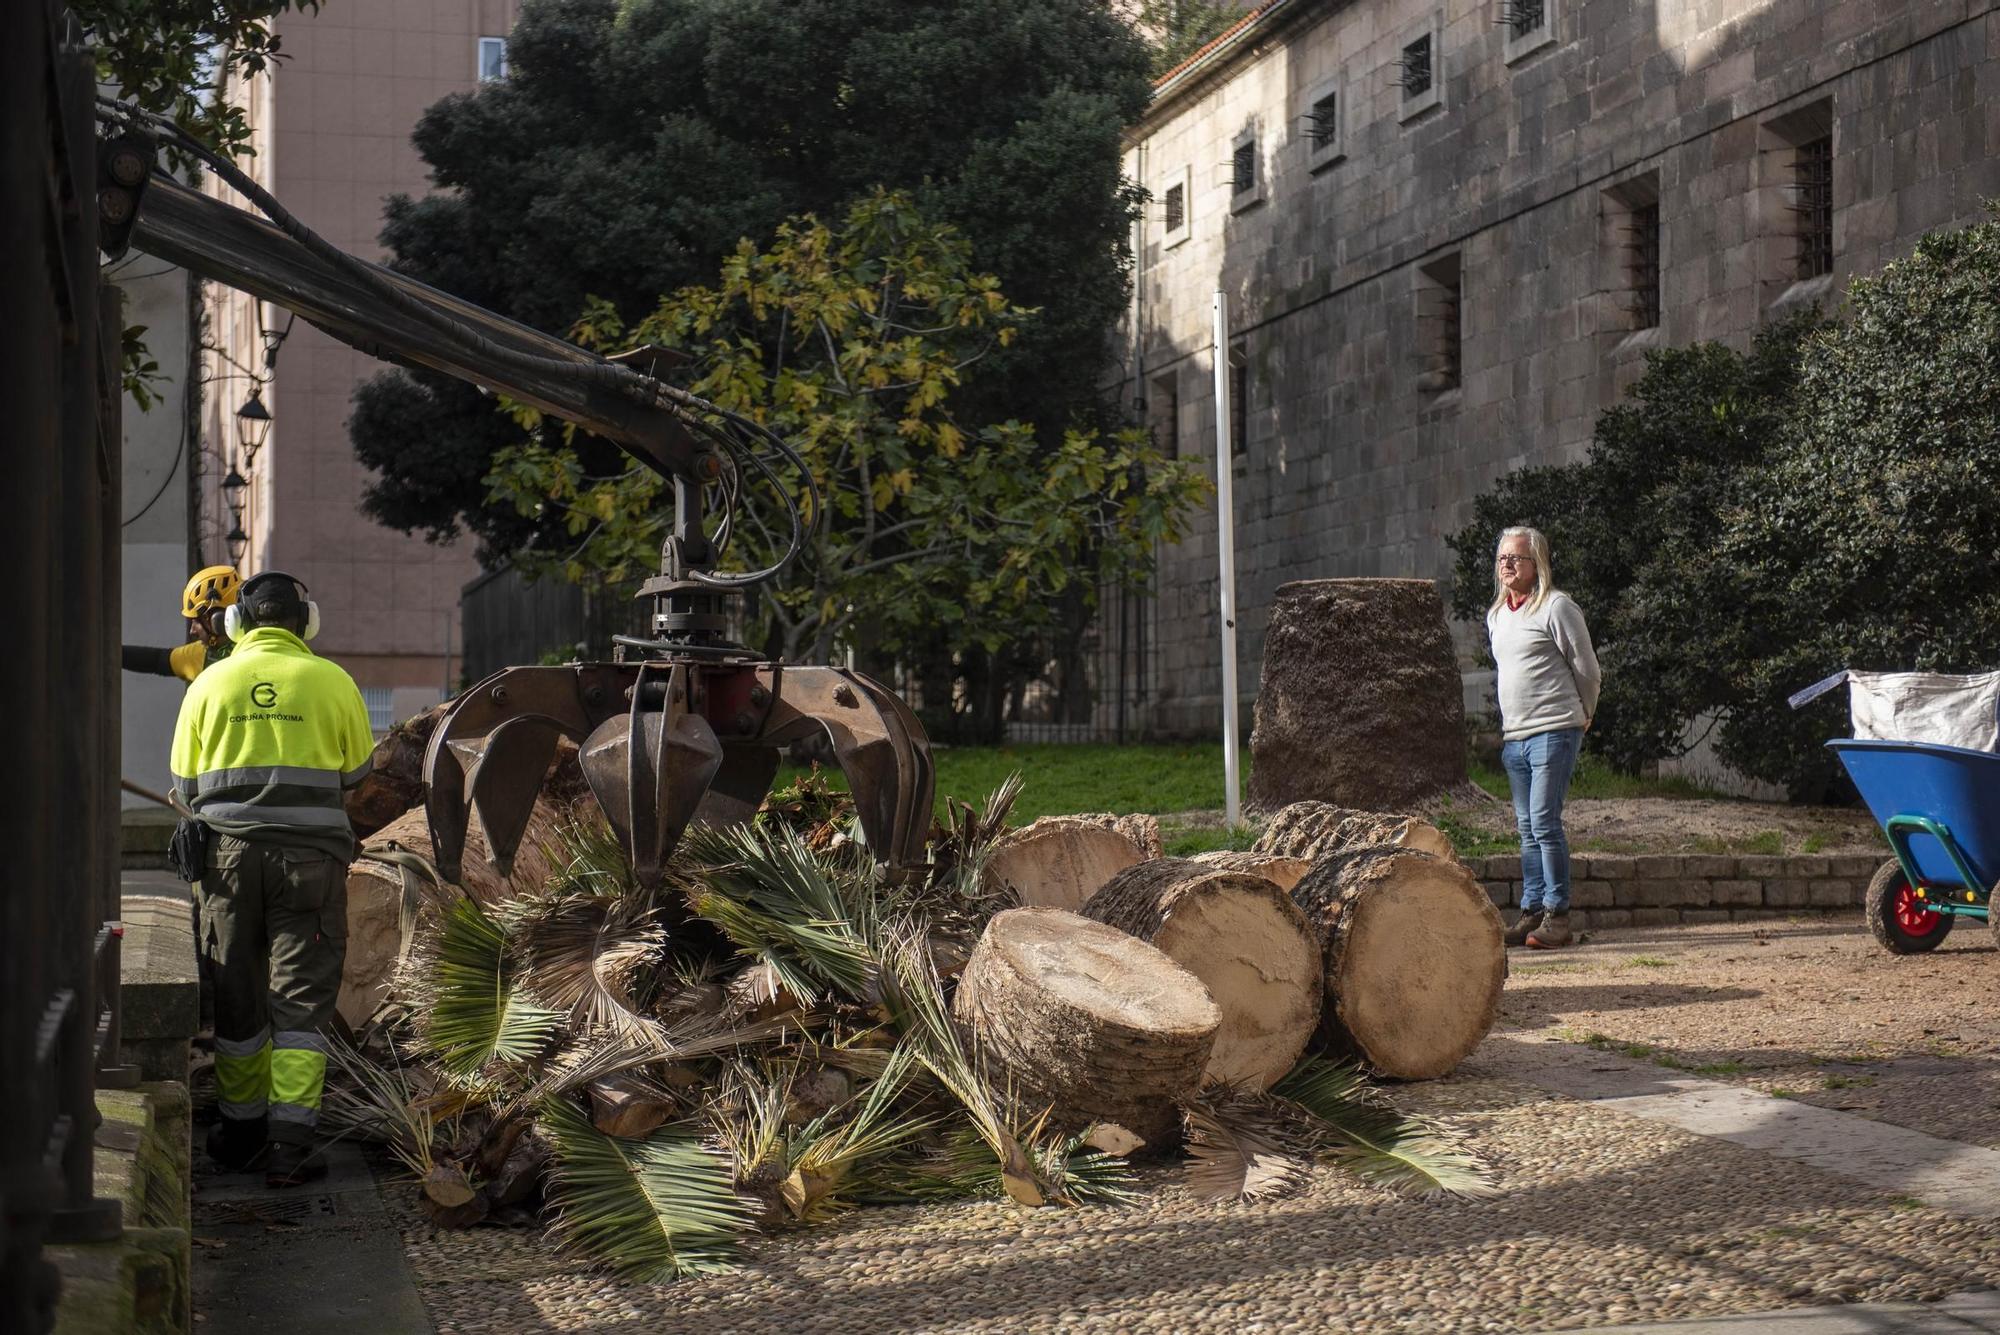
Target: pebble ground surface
1599	1218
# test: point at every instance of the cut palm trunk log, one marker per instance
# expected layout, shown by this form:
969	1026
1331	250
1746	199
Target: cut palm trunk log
1141	829
1059	861
395	781
1250	945
1314	829
1414	959
1278	868
1083	1020
628	1106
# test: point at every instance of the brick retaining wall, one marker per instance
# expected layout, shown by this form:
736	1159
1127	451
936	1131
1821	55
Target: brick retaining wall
1648	890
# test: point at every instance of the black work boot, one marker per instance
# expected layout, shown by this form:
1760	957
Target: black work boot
236	1142
1553	934
290	1165
1517	935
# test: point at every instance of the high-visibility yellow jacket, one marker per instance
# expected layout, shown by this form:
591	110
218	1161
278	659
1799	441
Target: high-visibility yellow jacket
266	741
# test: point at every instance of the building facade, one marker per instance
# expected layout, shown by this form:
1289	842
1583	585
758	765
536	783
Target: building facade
332	125
1449	231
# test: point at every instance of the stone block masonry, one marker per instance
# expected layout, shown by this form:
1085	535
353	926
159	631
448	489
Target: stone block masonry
1613	890
1424	299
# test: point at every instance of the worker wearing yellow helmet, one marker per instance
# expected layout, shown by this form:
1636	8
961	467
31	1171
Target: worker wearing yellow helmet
212	590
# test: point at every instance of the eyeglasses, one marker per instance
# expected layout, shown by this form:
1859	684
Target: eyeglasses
1512	560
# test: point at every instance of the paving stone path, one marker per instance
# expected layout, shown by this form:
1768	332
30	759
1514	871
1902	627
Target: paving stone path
1632	1189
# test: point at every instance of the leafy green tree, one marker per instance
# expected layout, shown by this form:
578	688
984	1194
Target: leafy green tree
853	343
1630	525
634	143
1176	29
171	56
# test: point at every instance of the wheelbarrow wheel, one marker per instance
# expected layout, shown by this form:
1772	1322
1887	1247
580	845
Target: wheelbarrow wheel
1903	923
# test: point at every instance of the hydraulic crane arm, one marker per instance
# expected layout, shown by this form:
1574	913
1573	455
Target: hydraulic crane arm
220	242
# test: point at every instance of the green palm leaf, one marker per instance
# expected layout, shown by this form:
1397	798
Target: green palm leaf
1376	1142
801	913
476	1015
651	1210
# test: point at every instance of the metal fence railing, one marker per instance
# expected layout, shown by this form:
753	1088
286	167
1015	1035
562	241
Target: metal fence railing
509	621
59	529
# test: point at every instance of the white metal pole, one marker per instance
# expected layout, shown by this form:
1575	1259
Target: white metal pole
1225	541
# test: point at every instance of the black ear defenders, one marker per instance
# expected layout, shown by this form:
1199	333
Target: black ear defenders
236	622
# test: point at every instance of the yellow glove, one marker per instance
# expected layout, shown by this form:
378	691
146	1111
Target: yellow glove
188	659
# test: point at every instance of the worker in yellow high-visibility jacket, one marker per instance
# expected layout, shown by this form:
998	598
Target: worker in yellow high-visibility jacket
204	603
267	741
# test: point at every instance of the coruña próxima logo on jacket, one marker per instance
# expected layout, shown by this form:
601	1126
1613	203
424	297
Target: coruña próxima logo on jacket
264	695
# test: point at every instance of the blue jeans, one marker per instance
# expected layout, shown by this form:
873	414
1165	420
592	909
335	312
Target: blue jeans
1538	770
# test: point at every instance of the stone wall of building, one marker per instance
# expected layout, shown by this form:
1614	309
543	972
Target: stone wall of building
1520	194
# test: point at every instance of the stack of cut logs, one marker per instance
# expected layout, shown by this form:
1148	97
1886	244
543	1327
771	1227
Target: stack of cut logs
1122	981
1358	927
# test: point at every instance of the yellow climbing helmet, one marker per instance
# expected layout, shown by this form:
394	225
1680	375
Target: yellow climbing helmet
211	588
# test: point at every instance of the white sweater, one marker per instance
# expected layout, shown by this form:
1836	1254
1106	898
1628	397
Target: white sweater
1548	674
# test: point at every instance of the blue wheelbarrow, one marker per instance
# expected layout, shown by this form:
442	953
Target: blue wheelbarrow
1940	808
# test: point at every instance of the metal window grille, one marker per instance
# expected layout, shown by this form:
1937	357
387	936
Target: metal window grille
1645	259
1521	17
1239	409
381	702
1813	187
1176	208
1243	168
1326	121
1439	312
1416	68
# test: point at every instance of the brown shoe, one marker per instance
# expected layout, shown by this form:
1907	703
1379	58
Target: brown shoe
1517	935
1553	934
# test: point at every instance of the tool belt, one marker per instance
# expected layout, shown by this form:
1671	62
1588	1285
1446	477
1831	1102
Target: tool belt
187	852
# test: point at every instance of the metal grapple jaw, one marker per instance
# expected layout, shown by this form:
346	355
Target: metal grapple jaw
667	742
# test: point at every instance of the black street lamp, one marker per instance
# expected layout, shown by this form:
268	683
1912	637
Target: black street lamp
238	541
232	488
253	424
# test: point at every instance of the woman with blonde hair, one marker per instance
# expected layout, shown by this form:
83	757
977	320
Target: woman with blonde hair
1547	681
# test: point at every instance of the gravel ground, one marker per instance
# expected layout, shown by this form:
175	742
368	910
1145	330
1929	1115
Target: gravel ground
1599	1219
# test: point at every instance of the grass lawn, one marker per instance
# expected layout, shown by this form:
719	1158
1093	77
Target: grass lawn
1059	779
1167	779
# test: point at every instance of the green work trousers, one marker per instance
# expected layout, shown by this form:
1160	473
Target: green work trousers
274	933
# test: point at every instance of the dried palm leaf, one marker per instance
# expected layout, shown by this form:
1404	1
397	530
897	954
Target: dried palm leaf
799	912
1242	1149
589	954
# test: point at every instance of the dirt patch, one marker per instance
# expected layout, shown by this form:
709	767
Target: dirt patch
1684	825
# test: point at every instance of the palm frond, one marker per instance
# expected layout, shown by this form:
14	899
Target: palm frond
1239	1149
748	1117
834	1161
1375	1141
477	1015
376	1102
651	1210
588	954
1078	1174
914	996
648	1045
800	912
588	860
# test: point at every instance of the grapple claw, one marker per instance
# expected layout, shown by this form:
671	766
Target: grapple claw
504	782
650	767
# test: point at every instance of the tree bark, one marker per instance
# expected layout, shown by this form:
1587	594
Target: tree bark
1248	943
1086	1021
1314	829
1282	871
1414	960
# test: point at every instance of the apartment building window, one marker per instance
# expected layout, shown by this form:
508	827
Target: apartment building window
1420	69
1319	119
1632	212
1812	170
1174	204
1440	303
1528	25
492	59
1246	178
